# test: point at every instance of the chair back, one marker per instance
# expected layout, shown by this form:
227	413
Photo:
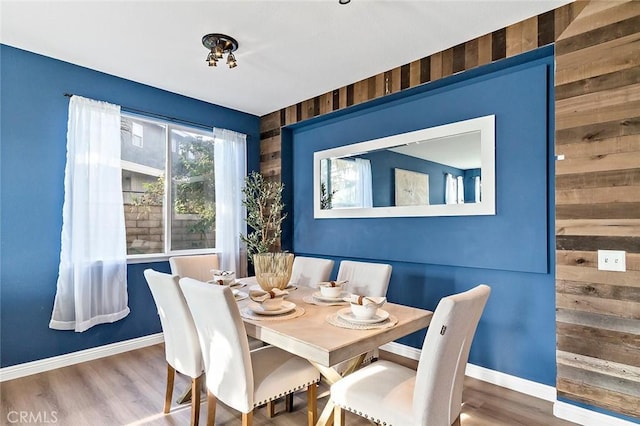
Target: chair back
197	266
224	343
437	397
366	279
309	271
181	344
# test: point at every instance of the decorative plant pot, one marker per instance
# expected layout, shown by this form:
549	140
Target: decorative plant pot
273	270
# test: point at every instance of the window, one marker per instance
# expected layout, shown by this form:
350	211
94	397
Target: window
137	134
350	182
342	183
168	186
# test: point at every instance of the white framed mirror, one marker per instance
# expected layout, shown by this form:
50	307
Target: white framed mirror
446	170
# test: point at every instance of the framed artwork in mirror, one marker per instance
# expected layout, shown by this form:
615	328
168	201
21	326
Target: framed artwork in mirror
411	188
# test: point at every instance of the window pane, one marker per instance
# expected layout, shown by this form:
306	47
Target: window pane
344	177
192	191
143	163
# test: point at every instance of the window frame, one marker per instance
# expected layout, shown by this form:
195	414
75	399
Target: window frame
167	209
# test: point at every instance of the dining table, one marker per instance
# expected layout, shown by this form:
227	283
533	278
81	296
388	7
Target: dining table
315	329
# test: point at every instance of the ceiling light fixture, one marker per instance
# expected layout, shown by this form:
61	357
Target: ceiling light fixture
344	1
218	45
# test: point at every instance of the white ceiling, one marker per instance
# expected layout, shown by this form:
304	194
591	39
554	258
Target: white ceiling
289	51
461	151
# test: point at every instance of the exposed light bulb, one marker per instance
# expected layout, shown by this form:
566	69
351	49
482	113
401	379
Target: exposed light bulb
231	60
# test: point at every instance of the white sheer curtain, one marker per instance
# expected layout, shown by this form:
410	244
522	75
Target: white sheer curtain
364	190
92	278
460	189
230	157
450	189
478	189
454	189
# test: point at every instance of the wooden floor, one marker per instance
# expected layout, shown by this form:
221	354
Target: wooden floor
128	389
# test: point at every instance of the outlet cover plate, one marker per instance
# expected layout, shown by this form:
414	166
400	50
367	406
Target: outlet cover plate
612	260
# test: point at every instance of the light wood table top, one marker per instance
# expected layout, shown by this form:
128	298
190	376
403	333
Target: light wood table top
310	336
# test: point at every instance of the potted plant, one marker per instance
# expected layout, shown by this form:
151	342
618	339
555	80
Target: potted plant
263	201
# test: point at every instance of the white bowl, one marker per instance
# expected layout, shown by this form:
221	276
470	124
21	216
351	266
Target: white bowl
227	279
364	311
327	290
272	304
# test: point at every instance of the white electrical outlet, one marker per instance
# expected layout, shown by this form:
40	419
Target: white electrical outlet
612	260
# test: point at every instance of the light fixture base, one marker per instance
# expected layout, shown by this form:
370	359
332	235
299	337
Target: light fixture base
228	44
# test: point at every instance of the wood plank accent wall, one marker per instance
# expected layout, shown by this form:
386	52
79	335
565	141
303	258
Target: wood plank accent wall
521	37
597	185
598	206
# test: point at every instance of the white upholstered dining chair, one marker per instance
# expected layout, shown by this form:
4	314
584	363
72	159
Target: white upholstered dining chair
197	266
391	394
365	278
181	345
309	271
240	378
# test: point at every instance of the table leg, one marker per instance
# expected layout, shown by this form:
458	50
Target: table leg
185	397
332	376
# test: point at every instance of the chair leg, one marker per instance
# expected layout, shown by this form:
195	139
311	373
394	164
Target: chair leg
247	419
338	416
312	404
271	409
211	409
171	375
196	385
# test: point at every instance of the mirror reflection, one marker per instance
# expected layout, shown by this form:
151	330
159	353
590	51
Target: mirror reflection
405	174
445	170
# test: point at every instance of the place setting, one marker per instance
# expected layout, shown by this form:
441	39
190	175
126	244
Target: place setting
363	313
226	278
239	295
330	293
270	305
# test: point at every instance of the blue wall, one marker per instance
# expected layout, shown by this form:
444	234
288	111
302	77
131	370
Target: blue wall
33	151
436	256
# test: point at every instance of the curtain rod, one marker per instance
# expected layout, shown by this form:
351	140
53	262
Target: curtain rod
156	115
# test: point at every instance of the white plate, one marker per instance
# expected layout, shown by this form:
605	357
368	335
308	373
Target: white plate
347	315
239	295
289	287
236	284
318	296
286	307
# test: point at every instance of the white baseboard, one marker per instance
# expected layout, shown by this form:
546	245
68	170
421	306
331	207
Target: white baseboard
514	383
41	365
562	410
585	417
537	390
402	350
